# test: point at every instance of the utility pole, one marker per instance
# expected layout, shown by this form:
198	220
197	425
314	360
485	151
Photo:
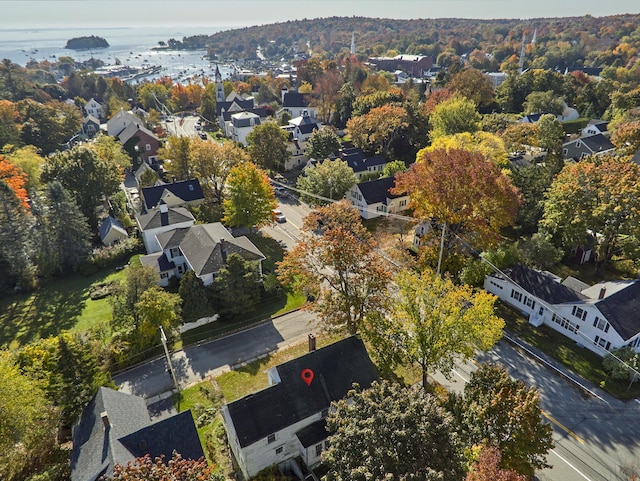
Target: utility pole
163	338
441	248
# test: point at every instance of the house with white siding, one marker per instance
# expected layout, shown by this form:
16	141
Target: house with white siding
203	249
159	220
286	421
374	198
601	317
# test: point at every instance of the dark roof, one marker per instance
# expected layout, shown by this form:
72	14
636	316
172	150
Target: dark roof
354	157
597	143
622	310
543	286
336	367
295	99
187	190
108	224
130	434
94	452
375	191
154	218
242	104
307	128
313	433
175	433
532	118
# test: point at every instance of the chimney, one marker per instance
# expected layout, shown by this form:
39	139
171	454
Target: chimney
164	208
312	343
105	420
223	250
603	291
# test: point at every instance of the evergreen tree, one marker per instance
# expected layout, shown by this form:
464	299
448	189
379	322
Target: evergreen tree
236	286
65	235
16	246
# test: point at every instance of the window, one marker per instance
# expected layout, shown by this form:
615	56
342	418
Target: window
516	295
530	302
566	324
579	313
174	251
147	147
403	203
565	152
279	450
495	284
180	269
271	438
318	449
578	144
601	324
164	275
603	343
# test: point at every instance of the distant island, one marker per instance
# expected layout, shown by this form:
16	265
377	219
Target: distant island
86	43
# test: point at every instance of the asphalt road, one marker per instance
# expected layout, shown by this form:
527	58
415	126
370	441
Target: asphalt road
594	435
194	363
288	233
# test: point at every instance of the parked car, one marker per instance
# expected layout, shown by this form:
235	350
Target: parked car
279	217
281	192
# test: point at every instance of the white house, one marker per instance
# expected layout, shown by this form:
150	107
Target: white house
361	165
297	155
287	420
203	249
242	124
595	127
120	121
295	104
159	220
302	127
94	108
600	317
111	232
374	198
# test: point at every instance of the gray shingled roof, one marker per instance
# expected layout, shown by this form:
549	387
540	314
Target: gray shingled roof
108	224
598	143
154	218
336	367
542	286
313	434
622	310
130	434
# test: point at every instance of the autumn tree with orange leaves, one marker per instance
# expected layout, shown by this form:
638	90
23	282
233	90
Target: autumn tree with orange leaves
464	191
376	130
15	179
336	261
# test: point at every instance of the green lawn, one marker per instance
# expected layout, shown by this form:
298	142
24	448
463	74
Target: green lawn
59	305
580	360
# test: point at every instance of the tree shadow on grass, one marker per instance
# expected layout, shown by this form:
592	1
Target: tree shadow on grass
54	307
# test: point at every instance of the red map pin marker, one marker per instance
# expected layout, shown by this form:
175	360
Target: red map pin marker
307	376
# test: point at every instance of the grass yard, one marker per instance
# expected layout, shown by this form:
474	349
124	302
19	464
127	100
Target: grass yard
580	360
252	377
59	305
